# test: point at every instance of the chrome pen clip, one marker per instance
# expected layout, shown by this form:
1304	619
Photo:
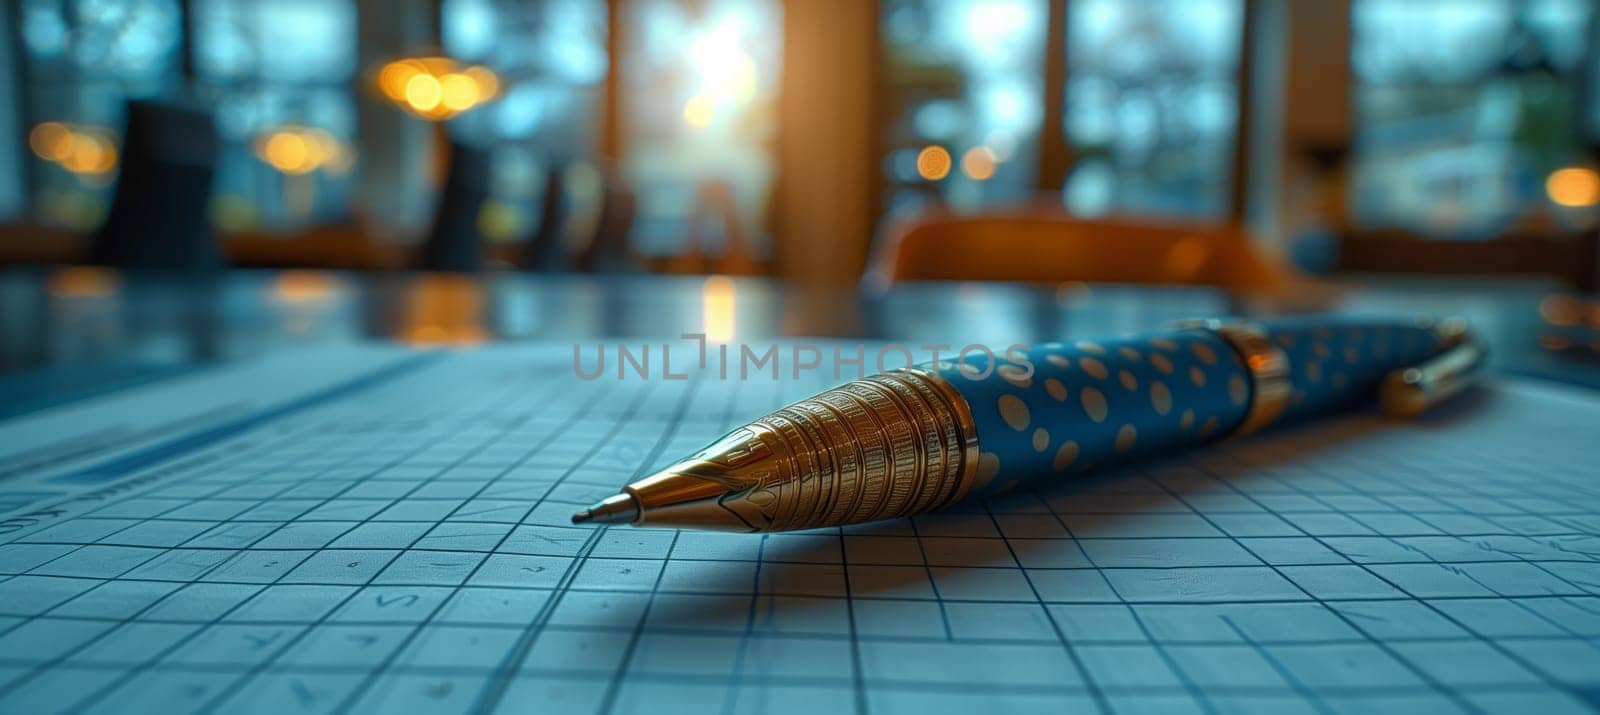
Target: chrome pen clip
1410	391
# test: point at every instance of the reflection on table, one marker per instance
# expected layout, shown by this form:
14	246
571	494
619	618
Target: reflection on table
75	331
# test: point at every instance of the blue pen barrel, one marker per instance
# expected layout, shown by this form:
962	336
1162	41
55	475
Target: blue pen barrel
1068	407
1332	362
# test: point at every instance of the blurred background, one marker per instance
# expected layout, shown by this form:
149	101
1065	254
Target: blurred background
1241	145
781	137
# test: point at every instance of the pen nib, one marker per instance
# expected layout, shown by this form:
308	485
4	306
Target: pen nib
618	509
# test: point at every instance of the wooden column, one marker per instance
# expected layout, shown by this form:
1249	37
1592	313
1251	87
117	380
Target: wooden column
1318	100
611	97
827	166
1055	157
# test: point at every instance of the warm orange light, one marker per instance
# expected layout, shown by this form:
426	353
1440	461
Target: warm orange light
84	282
50	141
933	163
488	84
90	154
288	152
329	152
297	150
435	87
302	286
1574	186
978	163
444	310
717	308
392	79
457	92
423	92
87	151
699	111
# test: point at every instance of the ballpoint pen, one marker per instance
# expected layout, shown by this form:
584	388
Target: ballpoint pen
918	439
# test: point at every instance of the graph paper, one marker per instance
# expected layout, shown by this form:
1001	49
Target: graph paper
388	532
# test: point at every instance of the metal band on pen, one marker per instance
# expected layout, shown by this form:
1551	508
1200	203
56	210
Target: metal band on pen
1270	389
1406	392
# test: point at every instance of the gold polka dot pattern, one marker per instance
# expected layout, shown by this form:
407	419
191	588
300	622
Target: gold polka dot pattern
1333	364
1072	406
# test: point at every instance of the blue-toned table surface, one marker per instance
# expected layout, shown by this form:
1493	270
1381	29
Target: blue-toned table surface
338	528
68	333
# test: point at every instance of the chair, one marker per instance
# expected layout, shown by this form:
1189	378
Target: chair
455	244
608	251
546	250
159	217
714	241
1044	245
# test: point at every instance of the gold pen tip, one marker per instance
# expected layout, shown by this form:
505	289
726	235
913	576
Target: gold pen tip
617	509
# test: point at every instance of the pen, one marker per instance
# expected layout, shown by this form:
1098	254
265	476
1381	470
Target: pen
919	439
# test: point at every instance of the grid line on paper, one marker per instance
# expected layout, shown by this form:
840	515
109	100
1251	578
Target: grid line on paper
91	642
1426	677
1288	676
367	683
213	623
1488	642
493	694
1347	566
410	548
1188	684
1101	704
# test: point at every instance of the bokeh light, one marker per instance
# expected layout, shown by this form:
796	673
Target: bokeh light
458	92
84	282
1574	186
50	141
86	151
718	308
436	88
297	150
979	163
933	163
699	111
423	92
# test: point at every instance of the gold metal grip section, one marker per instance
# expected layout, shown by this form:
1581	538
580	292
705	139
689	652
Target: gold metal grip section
885	446
881	447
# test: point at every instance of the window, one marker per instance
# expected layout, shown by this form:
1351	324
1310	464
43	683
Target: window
278	73
699	82
1464	110
550	60
82	59
963	92
1151	105
550	57
1148	114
